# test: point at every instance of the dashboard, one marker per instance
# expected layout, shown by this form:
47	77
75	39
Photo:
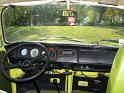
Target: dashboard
68	56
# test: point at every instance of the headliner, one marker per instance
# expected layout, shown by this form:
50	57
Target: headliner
106	3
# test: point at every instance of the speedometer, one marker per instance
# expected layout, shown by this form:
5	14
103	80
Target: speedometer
24	52
34	52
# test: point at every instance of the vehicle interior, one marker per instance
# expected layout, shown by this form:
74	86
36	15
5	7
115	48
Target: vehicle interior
62	46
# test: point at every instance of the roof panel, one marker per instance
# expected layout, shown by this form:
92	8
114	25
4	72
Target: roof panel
114	2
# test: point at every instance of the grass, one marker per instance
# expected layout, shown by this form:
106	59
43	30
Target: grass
80	34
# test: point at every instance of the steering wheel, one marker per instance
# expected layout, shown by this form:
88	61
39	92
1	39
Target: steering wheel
29	65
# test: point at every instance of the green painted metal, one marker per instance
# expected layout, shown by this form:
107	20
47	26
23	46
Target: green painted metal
116	80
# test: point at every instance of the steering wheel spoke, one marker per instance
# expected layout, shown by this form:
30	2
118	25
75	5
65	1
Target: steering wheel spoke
10	66
14	66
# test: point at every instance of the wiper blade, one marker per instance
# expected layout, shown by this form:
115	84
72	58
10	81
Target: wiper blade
98	42
115	41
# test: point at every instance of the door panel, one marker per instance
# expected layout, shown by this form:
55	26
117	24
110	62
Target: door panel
116	80
4	84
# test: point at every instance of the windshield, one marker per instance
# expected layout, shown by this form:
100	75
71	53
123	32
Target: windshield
64	23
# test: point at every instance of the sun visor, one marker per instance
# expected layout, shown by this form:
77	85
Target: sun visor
100	4
121	2
109	2
105	3
28	3
112	2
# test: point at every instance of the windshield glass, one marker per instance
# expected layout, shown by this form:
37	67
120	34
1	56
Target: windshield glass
64	23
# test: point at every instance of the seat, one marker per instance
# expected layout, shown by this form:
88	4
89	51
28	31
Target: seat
116	79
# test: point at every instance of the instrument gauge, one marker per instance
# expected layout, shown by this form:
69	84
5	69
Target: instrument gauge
24	52
34	52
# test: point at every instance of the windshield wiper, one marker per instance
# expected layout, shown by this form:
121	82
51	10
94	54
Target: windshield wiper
107	40
114	41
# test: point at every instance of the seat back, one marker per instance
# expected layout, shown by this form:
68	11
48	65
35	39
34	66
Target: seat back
116	79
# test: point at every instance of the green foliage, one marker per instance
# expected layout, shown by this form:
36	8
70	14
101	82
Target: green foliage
17	16
48	14
92	17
